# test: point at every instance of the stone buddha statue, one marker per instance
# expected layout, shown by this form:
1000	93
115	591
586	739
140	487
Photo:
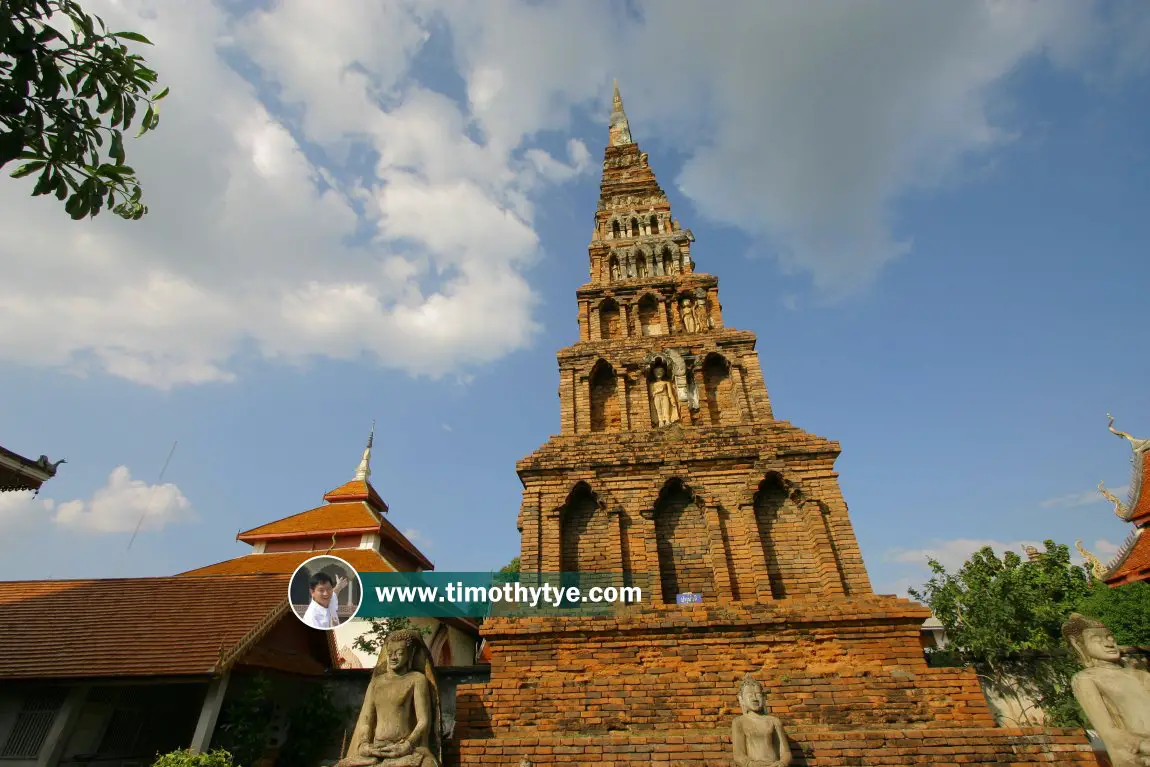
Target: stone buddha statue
664	398
398	725
758	737
1116	698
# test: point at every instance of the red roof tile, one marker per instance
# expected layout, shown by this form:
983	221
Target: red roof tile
174	626
286	562
1135	566
349	517
356	490
1140	496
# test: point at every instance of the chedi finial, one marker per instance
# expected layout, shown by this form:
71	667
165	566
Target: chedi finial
363	472
620	129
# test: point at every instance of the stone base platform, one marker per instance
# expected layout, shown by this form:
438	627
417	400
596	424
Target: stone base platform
812	747
658	684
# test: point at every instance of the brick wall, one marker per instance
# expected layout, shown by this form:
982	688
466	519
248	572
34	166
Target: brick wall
727	502
658	684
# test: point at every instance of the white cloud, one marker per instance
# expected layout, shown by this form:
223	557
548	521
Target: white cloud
1105	549
122	504
271	232
418	538
1087	498
953	553
20	511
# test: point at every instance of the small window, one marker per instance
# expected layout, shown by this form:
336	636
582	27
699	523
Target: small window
33	723
654	224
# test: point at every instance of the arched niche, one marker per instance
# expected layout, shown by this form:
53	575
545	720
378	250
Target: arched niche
634	227
653	224
605	412
615	230
786	541
441	647
614	268
682	541
585	534
650	316
719	390
610	319
642	268
668	261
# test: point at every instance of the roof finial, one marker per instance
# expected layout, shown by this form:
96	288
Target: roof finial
1094	565
1119	507
620	128
364	470
1137	445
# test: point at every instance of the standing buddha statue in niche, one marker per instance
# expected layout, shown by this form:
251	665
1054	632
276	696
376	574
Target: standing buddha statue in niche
664	398
1116	698
687	308
701	318
758	737
398	725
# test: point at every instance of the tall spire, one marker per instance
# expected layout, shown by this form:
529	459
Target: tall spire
620	128
364	471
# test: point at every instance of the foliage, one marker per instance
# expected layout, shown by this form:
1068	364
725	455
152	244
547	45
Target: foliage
313	725
1124	609
371	641
1005	617
993	609
185	758
247	721
67	88
511	567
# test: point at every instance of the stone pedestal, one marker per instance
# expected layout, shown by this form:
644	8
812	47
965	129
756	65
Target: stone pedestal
652	685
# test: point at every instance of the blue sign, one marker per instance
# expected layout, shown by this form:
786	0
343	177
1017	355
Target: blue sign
688	599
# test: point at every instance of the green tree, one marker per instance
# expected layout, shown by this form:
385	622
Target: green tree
371	641
511	567
1124	609
68	91
185	758
1005	617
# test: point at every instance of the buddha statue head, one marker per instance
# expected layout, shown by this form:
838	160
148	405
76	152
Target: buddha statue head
1091	640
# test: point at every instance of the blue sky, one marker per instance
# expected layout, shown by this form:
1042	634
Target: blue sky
933	219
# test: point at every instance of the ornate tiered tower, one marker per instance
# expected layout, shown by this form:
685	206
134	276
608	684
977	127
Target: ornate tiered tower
672	471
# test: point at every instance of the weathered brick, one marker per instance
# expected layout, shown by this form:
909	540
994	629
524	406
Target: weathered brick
728	502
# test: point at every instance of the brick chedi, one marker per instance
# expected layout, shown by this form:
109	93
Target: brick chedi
671	470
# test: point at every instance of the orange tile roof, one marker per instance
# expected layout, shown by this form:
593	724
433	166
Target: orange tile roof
348	517
1135	565
173	626
363	560
356	490
1140	495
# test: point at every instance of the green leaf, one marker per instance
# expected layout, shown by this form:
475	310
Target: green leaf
11	145
146	124
116	152
43	184
135	37
27	169
161	94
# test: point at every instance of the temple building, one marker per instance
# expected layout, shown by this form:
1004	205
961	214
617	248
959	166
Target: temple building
353	525
1132	562
112	671
20	473
671	471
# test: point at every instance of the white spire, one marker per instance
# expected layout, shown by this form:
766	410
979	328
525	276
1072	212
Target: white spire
364	470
